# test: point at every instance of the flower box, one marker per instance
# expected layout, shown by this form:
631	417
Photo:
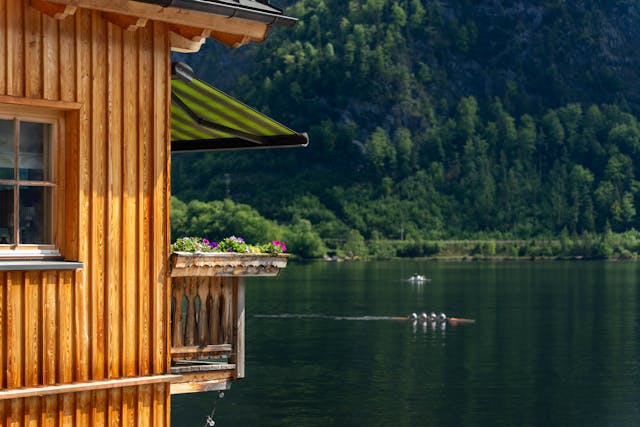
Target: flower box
226	264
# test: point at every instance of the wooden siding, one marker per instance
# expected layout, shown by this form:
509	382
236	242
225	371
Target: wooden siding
109	320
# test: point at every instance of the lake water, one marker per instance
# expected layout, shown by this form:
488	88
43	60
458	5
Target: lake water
555	344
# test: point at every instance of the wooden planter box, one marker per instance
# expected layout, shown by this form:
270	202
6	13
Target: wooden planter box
226	264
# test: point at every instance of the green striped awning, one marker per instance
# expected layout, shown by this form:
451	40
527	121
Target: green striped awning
204	118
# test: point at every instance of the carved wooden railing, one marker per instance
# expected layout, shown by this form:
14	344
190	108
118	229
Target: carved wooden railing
207	313
202	316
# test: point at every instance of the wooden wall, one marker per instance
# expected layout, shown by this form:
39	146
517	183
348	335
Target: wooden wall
110	319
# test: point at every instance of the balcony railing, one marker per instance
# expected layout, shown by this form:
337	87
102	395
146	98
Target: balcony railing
207	316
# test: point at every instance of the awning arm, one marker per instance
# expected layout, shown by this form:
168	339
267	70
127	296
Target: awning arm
256	139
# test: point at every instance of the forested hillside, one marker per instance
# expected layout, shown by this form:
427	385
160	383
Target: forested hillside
435	120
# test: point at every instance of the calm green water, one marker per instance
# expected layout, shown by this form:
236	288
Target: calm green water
555	344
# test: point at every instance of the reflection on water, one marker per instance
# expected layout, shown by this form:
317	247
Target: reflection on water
555	343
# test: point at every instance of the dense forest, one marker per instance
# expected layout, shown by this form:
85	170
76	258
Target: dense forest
428	120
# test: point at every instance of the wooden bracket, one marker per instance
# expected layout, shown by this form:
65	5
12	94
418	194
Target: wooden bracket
187	39
126	22
183	44
55	10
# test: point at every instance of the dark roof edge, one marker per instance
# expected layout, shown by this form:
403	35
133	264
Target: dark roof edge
279	141
228	11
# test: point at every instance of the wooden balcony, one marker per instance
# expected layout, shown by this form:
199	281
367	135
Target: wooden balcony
207	316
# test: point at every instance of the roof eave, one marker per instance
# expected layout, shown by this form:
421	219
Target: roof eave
228	11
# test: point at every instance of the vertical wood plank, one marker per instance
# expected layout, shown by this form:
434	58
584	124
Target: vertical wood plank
203	317
98	191
49	327
68	42
80	329
49	415
66	409
59	193
32	284
99	408
33	410
4	55
83	409
145	402
161	405
159	211
15	48
76	38
65	329
114	410
213	306
145	42
166	195
114	207
129	242
15	331
190	330
129	406
178	289
68	223
51	58
16	415
238	332
226	307
33	52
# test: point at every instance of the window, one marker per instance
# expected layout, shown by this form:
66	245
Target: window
28	183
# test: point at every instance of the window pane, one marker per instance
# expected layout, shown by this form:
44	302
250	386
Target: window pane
35	215
6	214
34	157
6	149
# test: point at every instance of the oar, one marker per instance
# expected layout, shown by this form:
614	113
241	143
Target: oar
454	321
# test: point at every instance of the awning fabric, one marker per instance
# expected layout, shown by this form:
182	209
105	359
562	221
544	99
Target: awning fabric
204	118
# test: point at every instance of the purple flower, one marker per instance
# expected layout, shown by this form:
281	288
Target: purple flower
213	244
229	250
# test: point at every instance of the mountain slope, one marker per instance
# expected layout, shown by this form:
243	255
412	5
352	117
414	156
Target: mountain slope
438	119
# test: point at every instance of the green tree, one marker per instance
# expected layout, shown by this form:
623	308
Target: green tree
303	241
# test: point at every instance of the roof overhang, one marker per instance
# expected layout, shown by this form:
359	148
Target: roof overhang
204	118
250	10
232	22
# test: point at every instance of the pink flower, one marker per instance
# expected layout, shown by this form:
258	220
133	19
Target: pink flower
280	244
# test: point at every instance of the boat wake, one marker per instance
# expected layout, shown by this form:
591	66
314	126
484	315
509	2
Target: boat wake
326	316
424	318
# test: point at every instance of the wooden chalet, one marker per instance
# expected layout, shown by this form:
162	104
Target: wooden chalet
98	323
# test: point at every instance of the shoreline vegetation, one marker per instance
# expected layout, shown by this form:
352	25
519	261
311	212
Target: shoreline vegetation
306	240
608	246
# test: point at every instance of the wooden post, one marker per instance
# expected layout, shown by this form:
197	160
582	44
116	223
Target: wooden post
178	292
203	319
226	305
214	310
190	333
238	326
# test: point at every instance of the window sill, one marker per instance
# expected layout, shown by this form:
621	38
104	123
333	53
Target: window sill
25	265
